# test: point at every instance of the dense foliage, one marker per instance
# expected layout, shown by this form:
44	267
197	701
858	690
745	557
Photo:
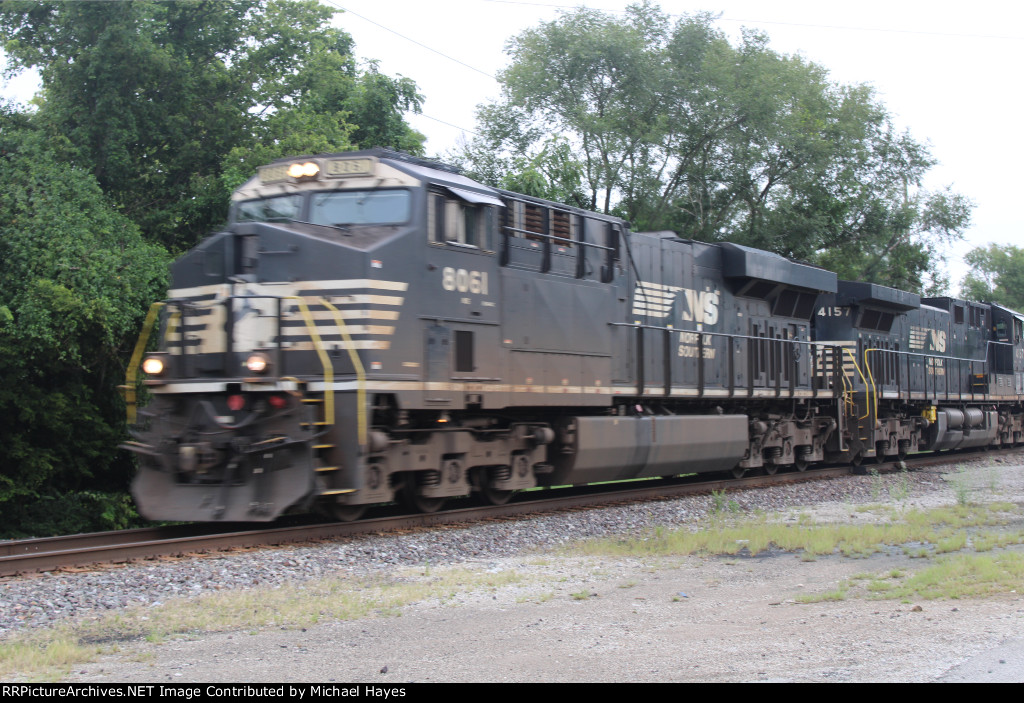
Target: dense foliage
150	114
997	275
672	127
75	276
154	95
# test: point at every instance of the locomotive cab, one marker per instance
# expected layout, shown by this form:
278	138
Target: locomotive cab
269	335
341	343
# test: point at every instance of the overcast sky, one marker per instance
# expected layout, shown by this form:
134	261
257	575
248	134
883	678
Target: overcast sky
947	71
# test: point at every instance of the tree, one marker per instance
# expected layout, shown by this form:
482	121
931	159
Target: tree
75	280
552	173
153	96
594	79
337	108
675	128
997	275
149	115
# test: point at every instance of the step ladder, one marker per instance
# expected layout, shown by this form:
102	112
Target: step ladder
322	449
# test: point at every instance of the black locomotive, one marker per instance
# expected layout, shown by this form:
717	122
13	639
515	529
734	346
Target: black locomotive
371	327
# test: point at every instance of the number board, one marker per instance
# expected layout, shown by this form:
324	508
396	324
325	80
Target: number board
274	173
340	168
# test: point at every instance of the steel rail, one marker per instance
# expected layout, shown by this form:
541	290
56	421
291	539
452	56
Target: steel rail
52	553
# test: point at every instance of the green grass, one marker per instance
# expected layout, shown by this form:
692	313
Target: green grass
48	652
952	577
900	489
720	505
535	597
965	576
837	594
951	542
961	486
919	533
942	536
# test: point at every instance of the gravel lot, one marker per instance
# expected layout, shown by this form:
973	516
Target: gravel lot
572	618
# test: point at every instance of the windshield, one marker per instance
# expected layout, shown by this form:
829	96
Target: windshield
282	207
361	207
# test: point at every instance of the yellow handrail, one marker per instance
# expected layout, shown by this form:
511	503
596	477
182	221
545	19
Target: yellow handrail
140	346
172	323
857	367
847	387
874	391
847	393
131	374
324	359
357	364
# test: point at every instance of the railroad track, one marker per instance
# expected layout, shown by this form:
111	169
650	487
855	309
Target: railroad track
53	553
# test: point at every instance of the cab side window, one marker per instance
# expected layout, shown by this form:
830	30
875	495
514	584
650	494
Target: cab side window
435	218
455	221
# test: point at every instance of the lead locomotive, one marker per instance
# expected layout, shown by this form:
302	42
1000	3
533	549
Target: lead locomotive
371	327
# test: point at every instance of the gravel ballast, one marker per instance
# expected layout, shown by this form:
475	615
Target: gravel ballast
571	618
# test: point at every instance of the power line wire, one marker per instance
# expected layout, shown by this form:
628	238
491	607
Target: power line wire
420	44
560	6
435	119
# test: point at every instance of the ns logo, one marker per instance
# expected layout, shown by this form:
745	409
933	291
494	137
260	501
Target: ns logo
656	301
937	340
927	339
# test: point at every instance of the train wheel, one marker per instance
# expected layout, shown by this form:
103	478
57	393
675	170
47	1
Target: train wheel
487	477
903	448
800	460
345	513
423	504
339	512
771	469
880	449
496	496
412	500
738	472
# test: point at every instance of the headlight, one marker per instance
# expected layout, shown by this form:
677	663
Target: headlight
153	365
305	170
257	363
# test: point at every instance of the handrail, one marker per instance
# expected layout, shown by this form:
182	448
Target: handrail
357	364
871	375
804	342
936	356
311	328
847	384
984	361
325	360
857	367
555	238
813	345
172	323
131	373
